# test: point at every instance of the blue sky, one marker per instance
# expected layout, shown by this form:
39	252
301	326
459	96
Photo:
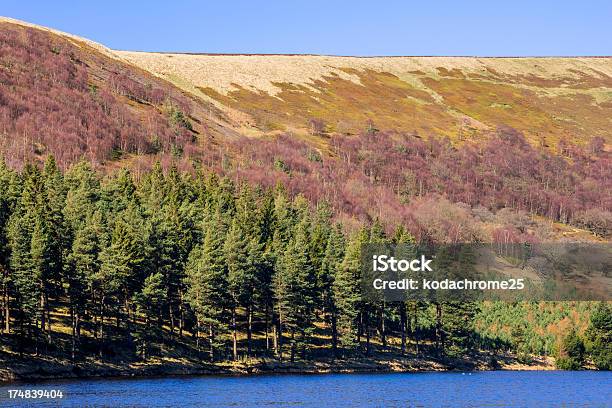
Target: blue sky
460	27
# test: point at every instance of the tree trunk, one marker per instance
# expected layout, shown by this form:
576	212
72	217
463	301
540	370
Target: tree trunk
416	327
439	344
383	331
367	333
267	330
181	313
249	328
402	310
360	328
7	309
43	315
73	325
100	346
234	334
197	334
171	312
292	345
211	340
279	336
334	330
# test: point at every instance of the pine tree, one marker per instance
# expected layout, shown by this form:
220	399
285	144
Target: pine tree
455	317
294	287
599	336
81	271
378	237
123	266
55	201
28	272
347	291
242	279
405	248
207	285
43	268
263	258
284	219
27	289
149	302
571	352
332	258
9	195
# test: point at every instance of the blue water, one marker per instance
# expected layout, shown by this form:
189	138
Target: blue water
482	389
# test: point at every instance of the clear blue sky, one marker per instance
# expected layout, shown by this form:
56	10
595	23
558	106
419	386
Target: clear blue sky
426	27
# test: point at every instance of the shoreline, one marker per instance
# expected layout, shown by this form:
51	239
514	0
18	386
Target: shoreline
35	369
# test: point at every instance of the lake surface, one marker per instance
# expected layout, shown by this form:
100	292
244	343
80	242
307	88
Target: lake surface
483	389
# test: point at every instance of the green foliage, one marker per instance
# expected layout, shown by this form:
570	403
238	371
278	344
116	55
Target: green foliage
571	353
149	302
178	118
170	259
347	292
206	282
599	337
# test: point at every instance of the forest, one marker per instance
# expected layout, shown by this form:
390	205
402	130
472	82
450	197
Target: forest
94	266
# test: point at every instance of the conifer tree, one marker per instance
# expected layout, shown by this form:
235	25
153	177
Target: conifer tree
378	237
599	336
123	265
81	271
207	285
9	185
406	249
149	302
82	196
27	288
347	291
295	288
42	268
334	253
242	279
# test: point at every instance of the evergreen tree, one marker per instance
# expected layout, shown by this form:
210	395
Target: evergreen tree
27	288
149	302
571	352
207	284
378	237
242	279
81	271
123	265
42	268
9	195
294	290
334	253
599	337
347	291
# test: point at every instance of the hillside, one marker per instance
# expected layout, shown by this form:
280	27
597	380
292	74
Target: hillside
322	125
75	99
214	207
461	97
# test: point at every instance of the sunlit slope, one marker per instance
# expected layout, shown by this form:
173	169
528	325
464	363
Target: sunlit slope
462	97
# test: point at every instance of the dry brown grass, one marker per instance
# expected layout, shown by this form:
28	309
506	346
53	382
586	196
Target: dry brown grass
547	98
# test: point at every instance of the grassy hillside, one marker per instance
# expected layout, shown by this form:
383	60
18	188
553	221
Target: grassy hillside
548	99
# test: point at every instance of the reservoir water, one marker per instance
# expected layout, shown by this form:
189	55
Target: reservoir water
478	389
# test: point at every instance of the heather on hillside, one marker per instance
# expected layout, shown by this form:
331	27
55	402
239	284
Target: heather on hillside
383	175
59	97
